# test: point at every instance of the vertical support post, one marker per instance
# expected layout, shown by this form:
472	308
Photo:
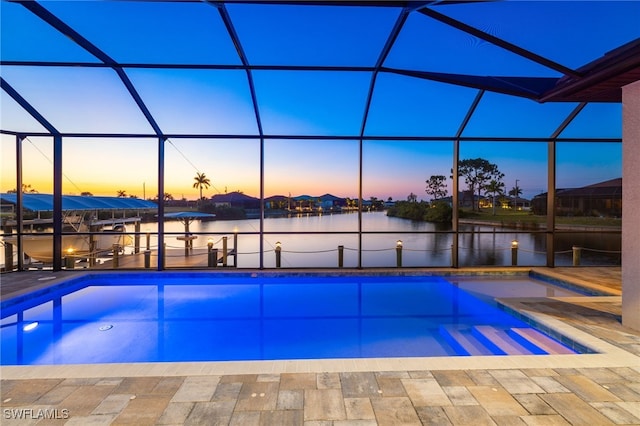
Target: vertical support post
162	246
69	259
340	256
136	238
210	260
551	183
261	178
577	253
92	250
399	253
19	209
360	177
116	256
225	251
57	203
235	249
551	203
147	259
514	253
278	254
148	240
8	257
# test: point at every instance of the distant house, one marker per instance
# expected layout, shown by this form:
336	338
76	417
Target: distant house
235	199
277	202
599	199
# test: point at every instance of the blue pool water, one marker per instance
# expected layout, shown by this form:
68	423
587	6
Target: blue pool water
203	317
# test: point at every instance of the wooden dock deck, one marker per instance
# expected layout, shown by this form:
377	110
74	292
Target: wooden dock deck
197	258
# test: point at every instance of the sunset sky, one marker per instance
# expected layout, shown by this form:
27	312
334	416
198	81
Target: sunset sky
301	102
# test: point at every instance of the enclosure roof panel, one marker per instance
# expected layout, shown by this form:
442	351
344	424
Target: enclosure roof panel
305	68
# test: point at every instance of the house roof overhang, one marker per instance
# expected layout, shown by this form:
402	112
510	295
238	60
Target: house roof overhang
601	80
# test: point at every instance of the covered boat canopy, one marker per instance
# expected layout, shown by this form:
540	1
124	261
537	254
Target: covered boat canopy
44	202
188	215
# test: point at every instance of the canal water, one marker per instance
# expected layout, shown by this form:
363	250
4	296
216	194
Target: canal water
314	241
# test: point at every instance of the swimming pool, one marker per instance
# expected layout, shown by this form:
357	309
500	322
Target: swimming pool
153	317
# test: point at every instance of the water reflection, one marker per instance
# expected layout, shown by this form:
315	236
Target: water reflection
424	244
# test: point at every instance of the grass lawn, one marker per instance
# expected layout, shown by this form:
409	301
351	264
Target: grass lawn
525	217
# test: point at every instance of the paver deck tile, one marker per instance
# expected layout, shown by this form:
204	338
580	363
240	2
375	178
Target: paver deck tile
587	389
575	410
143	410
549	384
281	418
534	404
245	418
497	401
85	399
27	391
324	404
56	395
196	388
433	416
216	413
290	399
616	413
359	409
632	407
176	413
113	404
469	415
359	385
298	381
453	378
602	375
257	396
390	386
227	391
539	372
97	420
395	411
623	391
459	395
482	377
425	392
515	381
552	420
328	381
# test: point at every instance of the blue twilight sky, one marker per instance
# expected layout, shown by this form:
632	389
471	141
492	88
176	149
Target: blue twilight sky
301	102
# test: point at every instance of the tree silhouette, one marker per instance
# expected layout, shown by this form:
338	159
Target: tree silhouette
515	192
122	193
477	173
494	188
201	181
436	187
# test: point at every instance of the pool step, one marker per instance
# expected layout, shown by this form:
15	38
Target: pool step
489	340
463	341
501	343
541	340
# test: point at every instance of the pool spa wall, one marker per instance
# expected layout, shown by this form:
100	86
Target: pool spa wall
631	206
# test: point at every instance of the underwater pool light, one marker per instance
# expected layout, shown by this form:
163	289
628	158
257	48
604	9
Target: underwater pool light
30	326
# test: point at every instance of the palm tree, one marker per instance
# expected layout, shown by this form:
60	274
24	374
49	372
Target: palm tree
494	188
122	193
201	181
515	192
